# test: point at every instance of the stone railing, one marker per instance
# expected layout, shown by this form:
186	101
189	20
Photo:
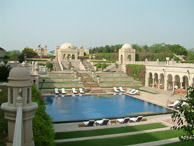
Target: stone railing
162	63
60	64
17	140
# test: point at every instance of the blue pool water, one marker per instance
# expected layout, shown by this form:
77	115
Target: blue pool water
92	107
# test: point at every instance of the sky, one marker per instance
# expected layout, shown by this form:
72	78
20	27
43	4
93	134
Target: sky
92	23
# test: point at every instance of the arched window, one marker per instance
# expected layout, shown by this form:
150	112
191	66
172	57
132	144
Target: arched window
73	57
121	58
129	57
64	56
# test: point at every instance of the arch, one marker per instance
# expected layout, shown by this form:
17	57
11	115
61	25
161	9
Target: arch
129	57
73	57
185	83
121	58
150	79
64	56
177	82
161	81
68	57
169	82
156	80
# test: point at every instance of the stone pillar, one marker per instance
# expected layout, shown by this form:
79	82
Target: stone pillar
146	79
173	85
153	80
158	83
165	84
20	85
181	83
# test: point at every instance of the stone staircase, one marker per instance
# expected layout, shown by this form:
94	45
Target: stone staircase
88	81
56	66
88	65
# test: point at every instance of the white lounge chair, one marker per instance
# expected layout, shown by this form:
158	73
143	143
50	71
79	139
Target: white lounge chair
133	90
81	91
174	104
74	91
63	91
124	120
121	89
56	91
138	119
102	122
87	123
115	89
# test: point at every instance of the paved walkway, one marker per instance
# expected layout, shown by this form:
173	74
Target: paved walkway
160	142
65	127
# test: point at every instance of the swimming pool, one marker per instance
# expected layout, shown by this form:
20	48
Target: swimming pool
70	108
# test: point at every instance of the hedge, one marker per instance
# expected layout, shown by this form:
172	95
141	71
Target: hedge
136	71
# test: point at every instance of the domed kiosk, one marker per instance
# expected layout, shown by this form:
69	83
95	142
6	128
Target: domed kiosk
19	110
68	54
126	54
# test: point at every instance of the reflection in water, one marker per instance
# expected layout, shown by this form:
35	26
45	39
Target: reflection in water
90	107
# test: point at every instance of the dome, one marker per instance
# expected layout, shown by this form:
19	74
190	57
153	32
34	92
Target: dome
66	46
127	46
19	73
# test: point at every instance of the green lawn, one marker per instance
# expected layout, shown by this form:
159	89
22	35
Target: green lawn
64	87
70	82
127	140
185	143
115	81
107	131
48	77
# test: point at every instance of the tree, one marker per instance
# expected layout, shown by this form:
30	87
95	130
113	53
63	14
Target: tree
42	122
13	55
4	72
184	117
52	52
177	49
29	51
49	65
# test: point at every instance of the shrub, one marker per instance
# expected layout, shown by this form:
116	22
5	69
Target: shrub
103	66
4	72
49	65
42	122
3	121
98	65
136	71
184	116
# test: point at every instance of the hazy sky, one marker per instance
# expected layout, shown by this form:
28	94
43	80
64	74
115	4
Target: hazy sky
95	22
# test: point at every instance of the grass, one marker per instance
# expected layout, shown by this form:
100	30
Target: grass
64	87
127	140
48	77
186	143
59	82
138	88
115	81
76	134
